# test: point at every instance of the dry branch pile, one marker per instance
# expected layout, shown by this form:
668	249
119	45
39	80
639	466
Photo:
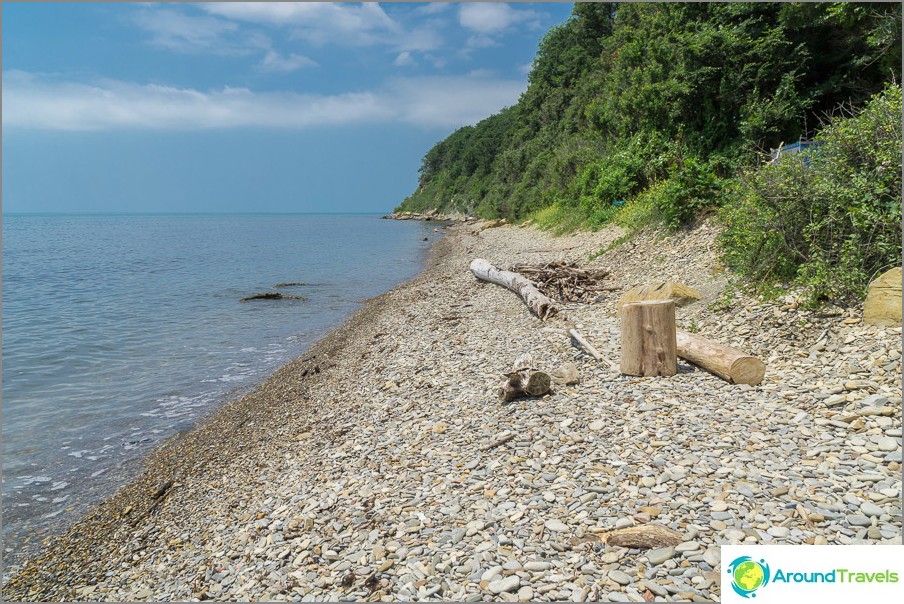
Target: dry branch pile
566	282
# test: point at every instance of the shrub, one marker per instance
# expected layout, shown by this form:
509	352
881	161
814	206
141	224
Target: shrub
828	219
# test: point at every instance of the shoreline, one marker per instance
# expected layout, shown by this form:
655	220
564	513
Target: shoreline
195	450
367	469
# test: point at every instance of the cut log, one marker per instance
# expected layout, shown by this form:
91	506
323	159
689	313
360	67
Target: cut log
539	304
728	363
524	380
648	338
646	536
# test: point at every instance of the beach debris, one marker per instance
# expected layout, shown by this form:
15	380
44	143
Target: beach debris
645	536
566	374
648	338
162	488
728	363
524	380
538	303
501	439
272	296
566	281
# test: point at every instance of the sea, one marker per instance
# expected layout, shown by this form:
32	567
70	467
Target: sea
120	331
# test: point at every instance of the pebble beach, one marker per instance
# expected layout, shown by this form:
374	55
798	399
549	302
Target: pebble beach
380	465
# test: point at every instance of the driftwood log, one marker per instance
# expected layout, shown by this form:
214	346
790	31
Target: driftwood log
646	536
728	363
524	380
648	338
539	304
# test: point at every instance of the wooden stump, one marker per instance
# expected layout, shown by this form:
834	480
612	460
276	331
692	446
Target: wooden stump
648	338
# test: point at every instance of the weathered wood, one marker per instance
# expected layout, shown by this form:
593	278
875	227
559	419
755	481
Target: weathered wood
728	363
648	338
646	536
539	304
577	337
524	380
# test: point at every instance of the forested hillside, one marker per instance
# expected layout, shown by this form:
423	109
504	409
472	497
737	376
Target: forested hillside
645	112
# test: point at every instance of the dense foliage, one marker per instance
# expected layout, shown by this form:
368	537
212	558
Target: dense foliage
828	218
645	112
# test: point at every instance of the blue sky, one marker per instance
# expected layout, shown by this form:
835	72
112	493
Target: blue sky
249	107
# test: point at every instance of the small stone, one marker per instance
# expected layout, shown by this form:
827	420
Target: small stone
871	509
718	506
887	444
440	427
874	400
597	425
858	520
622	578
734	535
660	555
526	594
779	531
505	584
537	566
556	525
687	546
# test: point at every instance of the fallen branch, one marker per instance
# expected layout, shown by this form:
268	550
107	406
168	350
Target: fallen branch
539	304
499	441
577	337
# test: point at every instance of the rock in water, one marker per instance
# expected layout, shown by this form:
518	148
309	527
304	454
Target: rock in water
272	296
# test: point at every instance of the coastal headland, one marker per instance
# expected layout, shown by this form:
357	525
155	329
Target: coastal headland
380	465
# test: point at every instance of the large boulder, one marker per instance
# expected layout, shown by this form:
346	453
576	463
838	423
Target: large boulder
664	290
883	301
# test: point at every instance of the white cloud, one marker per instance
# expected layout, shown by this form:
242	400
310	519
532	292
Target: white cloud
273	61
451	102
404	59
492	17
317	22
34	101
178	31
481	41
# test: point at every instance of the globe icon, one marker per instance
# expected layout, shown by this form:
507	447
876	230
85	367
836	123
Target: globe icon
748	575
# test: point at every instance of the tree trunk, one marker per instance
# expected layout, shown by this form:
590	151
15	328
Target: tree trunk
539	304
726	362
524	380
648	338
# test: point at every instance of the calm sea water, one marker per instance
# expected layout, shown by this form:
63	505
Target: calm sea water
121	330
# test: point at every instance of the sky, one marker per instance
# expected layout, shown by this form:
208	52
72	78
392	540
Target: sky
247	107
